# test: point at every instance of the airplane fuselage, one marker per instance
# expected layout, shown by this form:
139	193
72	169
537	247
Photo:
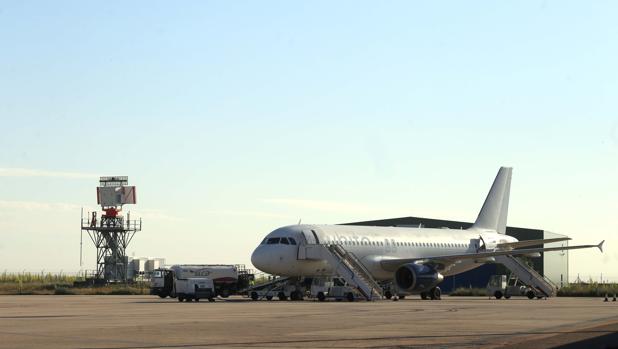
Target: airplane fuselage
369	244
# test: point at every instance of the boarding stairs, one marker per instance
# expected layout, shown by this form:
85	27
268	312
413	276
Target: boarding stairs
528	276
348	267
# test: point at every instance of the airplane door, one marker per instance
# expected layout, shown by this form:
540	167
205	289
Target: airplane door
310	237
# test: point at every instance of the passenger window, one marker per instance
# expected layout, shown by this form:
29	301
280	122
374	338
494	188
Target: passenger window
273	241
285	241
292	241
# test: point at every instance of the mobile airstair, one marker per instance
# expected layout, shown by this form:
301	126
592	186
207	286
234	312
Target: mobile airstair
528	275
347	266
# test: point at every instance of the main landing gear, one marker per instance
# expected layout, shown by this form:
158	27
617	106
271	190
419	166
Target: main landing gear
433	294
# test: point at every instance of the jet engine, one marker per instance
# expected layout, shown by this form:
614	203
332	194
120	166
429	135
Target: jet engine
417	277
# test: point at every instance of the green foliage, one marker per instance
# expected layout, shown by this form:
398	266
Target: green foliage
469	292
42	277
63	291
60	284
588	290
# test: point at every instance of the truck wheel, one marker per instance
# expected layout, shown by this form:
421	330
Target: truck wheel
507	296
350	297
162	295
530	294
189	299
498	294
197	299
282	296
402	296
388	295
321	297
254	296
539	297
269	298
180	299
424	295
211	299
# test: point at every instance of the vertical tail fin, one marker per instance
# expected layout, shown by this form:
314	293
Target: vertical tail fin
495	209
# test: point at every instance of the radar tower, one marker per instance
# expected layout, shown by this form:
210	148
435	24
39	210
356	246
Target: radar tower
112	233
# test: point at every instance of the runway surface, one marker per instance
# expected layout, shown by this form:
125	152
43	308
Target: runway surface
131	322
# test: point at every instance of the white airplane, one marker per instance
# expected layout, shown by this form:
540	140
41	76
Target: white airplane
416	259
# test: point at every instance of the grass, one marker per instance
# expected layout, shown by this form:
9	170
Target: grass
60	284
468	292
41	277
573	290
588	290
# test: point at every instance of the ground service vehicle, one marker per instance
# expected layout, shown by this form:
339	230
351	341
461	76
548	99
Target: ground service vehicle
500	286
227	279
194	289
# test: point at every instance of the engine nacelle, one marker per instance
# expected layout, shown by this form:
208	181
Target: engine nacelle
417	277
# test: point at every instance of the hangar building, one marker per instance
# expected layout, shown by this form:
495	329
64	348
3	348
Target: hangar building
553	265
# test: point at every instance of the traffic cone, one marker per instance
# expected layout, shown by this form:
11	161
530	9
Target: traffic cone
606	299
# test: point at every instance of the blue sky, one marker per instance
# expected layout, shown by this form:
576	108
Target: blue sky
236	118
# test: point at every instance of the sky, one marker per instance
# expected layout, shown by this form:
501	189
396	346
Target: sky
235	118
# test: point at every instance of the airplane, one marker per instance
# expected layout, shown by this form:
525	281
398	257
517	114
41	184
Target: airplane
416	259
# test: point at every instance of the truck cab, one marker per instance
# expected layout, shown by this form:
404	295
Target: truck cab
162	283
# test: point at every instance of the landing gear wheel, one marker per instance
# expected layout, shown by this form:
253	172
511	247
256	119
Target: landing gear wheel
507	296
388	295
197	299
435	293
498	294
424	295
180	299
269	298
282	296
530	294
189	299
349	297
254	296
321	296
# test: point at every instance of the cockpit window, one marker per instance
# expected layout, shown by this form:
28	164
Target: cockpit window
285	241
292	241
273	241
264	241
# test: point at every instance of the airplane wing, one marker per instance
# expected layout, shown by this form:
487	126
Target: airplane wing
526	243
445	260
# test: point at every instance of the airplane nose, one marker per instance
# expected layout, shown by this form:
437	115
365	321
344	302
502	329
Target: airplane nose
258	258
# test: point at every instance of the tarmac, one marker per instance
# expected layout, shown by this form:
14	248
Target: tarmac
131	322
